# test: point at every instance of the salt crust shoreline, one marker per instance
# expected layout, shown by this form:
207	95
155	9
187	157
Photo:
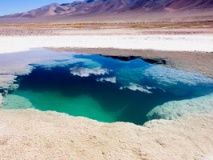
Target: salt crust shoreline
199	43
33	134
174	109
50	135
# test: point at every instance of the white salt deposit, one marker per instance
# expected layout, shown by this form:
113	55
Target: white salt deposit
14	102
201	43
167	76
175	109
1	99
136	87
86	72
6	81
170	78
107	79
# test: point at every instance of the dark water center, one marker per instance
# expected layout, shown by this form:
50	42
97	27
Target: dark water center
107	89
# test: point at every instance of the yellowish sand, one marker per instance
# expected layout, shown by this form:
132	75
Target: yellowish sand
31	134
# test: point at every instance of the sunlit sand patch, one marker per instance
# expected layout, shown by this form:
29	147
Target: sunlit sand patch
55	135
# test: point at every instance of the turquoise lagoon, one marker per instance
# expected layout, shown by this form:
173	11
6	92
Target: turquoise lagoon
107	89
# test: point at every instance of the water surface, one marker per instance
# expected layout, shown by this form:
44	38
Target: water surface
107	89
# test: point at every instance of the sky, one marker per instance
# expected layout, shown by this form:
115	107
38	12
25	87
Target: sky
16	6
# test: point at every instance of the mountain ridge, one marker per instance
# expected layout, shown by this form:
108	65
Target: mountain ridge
116	10
80	8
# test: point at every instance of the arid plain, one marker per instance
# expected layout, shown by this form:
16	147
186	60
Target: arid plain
180	43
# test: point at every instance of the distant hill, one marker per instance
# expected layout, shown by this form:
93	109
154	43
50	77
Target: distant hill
105	8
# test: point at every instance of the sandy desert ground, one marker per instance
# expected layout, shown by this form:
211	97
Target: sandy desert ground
31	134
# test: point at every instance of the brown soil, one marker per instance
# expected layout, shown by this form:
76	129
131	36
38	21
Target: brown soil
105	28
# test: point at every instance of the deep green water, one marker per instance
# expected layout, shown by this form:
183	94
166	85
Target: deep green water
107	89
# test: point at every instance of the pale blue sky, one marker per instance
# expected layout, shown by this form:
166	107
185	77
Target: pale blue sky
16	6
